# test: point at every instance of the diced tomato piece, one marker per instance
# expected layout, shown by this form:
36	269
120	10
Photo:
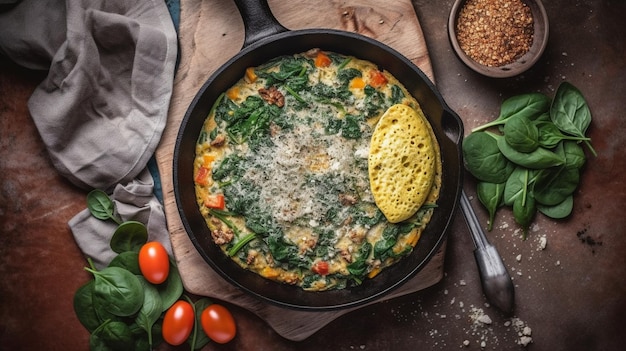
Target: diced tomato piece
216	201
322	60
202	177
320	267
377	79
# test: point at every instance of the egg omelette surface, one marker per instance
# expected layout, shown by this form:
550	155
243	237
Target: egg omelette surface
317	170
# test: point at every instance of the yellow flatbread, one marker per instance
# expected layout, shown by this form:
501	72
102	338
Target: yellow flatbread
401	162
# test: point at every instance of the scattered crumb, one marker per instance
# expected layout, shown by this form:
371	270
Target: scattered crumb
523	331
543	242
525	340
478	316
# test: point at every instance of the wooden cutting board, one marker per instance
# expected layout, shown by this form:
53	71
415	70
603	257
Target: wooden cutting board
211	31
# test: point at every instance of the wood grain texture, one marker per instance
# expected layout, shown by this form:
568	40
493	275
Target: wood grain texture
211	31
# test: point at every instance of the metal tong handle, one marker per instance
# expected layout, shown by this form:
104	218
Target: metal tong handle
495	279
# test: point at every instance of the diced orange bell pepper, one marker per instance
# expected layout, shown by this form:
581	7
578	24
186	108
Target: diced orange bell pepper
357	83
233	93
377	78
322	60
251	76
207	160
216	201
374	272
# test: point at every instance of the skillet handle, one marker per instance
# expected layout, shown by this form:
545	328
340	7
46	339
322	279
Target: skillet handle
258	20
452	125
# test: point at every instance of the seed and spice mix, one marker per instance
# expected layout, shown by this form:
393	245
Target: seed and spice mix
495	32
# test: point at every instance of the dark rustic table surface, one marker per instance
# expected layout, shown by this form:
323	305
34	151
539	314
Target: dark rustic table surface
569	275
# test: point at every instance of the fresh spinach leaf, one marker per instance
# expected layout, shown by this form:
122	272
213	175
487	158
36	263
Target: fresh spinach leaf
172	288
117	291
490	195
112	335
524	211
129	260
101	206
531	105
538	159
129	236
570	112
554	185
573	154
550	135
558	211
151	308
547	169
521	134
84	309
518	185
484	160
198	338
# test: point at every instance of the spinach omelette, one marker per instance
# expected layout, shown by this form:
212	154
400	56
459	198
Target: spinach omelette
281	172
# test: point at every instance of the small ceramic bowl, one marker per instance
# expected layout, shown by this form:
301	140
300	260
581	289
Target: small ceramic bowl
524	62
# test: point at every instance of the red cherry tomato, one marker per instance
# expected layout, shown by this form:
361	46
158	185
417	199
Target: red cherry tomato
218	323
154	262
178	323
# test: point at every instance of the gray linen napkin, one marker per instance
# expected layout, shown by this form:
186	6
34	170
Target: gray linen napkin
102	108
133	201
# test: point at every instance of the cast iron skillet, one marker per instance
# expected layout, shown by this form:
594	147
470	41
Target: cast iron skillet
266	39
